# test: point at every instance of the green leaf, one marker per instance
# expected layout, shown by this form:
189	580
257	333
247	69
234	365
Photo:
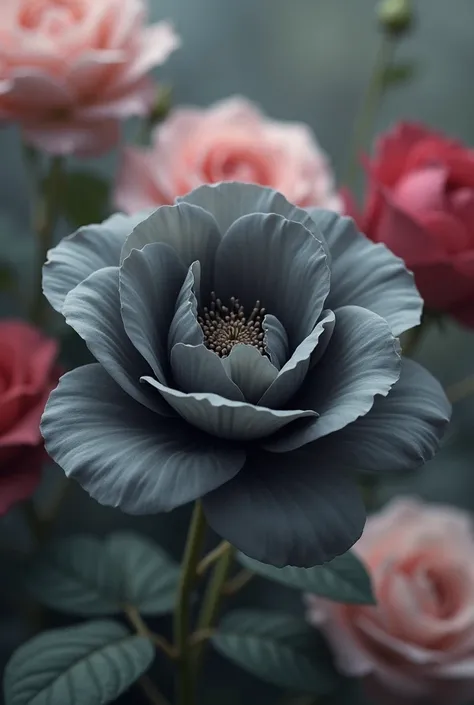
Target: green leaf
395	74
91	664
84	198
84	575
344	579
278	648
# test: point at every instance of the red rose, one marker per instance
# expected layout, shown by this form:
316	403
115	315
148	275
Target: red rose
28	373
420	203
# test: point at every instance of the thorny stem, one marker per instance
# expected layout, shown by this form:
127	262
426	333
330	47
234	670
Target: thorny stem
185	679
212	557
212	599
366	116
137	622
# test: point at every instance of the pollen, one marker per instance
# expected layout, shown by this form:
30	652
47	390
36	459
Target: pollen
227	325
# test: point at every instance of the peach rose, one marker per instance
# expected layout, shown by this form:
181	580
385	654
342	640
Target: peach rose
229	141
417	644
70	70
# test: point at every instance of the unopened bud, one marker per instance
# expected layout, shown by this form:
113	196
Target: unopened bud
395	16
161	107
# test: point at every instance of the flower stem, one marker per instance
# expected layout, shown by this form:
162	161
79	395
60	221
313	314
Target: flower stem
366	116
151	692
212	557
212	600
48	210
185	685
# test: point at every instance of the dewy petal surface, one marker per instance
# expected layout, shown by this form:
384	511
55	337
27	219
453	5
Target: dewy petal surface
367	274
88	249
293	373
150	281
263	257
225	418
191	231
92	308
124	455
229	201
361	361
401	432
288	510
251	371
197	369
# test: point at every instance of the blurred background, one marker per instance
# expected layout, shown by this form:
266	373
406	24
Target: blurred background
305	60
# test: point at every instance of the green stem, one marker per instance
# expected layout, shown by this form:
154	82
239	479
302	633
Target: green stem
185	690
47	217
366	116
212	600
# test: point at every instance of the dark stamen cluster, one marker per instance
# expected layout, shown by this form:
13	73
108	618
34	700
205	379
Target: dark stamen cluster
225	326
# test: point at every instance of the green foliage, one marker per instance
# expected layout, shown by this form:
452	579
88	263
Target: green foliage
344	579
84	575
278	648
395	74
90	664
84	198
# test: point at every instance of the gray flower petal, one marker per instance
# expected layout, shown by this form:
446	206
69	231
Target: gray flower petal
292	374
329	323
367	274
401	431
92	308
267	258
288	510
189	230
275	340
251	371
184	326
361	361
88	249
150	281
225	418
228	201
197	369
124	455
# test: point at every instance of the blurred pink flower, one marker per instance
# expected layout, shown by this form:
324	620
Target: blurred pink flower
229	141
417	645
70	70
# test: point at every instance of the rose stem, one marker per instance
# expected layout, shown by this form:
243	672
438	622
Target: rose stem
366	115
48	209
185	686
212	600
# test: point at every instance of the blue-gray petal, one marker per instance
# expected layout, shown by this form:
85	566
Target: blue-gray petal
197	369
225	418
150	281
92	308
275	340
88	249
288	510
124	455
251	371
361	361
184	327
229	200
266	258
191	231
401	432
367	274
293	373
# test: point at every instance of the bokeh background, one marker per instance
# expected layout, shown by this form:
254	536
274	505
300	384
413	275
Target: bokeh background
305	60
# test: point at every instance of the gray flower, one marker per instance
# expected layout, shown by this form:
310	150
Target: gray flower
246	355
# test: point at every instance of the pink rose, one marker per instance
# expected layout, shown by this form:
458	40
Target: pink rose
420	203
229	141
70	70
28	373
417	644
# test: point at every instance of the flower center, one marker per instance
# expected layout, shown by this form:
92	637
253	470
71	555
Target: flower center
226	326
